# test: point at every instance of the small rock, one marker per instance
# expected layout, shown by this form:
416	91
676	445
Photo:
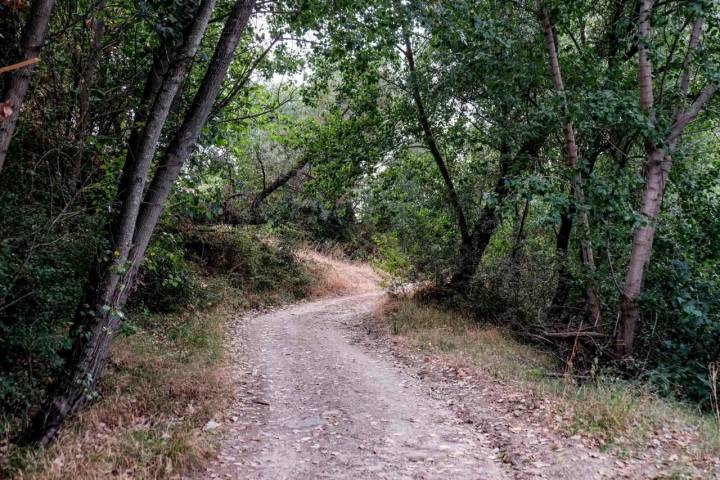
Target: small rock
211	425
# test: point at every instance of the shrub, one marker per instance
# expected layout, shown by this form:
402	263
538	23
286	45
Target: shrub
254	264
165	283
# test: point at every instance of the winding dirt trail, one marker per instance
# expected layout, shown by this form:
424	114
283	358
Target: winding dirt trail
314	404
319	396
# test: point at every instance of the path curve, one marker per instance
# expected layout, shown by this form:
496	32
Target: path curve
312	403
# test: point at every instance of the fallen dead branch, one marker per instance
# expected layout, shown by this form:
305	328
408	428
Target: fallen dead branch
19	65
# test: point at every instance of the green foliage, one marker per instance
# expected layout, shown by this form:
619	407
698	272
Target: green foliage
165	283
367	129
254	264
42	269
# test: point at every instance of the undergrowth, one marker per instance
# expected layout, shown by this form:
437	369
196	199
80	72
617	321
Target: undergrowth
165	381
618	414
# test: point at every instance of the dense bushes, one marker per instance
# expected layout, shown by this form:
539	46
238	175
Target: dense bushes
517	279
42	268
166	283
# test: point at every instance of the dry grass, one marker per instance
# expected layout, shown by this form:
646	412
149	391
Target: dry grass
333	276
164	383
612	412
450	332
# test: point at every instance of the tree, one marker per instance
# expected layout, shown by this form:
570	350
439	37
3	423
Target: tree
96	327
659	148
16	87
571	154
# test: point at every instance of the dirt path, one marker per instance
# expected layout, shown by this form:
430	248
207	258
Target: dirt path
320	396
311	403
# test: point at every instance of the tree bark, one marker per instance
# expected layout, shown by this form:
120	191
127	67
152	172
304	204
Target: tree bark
187	135
145	135
571	153
276	184
562	241
472	250
279	182
97	318
17	86
659	163
429	138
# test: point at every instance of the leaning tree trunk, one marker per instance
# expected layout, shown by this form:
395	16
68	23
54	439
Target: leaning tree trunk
145	135
659	163
571	152
97	319
471	251
276	184
17	86
279	182
186	137
431	144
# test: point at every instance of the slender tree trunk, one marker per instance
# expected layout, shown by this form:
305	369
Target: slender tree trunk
187	135
564	278
562	241
520	230
145	135
97	319
430	142
571	152
254	210
17	86
276	184
659	163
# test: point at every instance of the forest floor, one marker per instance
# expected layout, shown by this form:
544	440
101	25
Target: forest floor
323	389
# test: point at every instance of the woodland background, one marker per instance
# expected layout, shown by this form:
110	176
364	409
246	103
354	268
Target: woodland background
548	167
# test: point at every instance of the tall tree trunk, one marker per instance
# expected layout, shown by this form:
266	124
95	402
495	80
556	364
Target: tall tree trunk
472	244
659	163
430	142
97	319
146	133
187	135
571	152
17	86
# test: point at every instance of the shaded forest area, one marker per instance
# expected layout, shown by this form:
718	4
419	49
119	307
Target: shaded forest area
549	167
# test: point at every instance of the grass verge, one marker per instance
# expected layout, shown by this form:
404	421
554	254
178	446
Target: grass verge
616	414
165	381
